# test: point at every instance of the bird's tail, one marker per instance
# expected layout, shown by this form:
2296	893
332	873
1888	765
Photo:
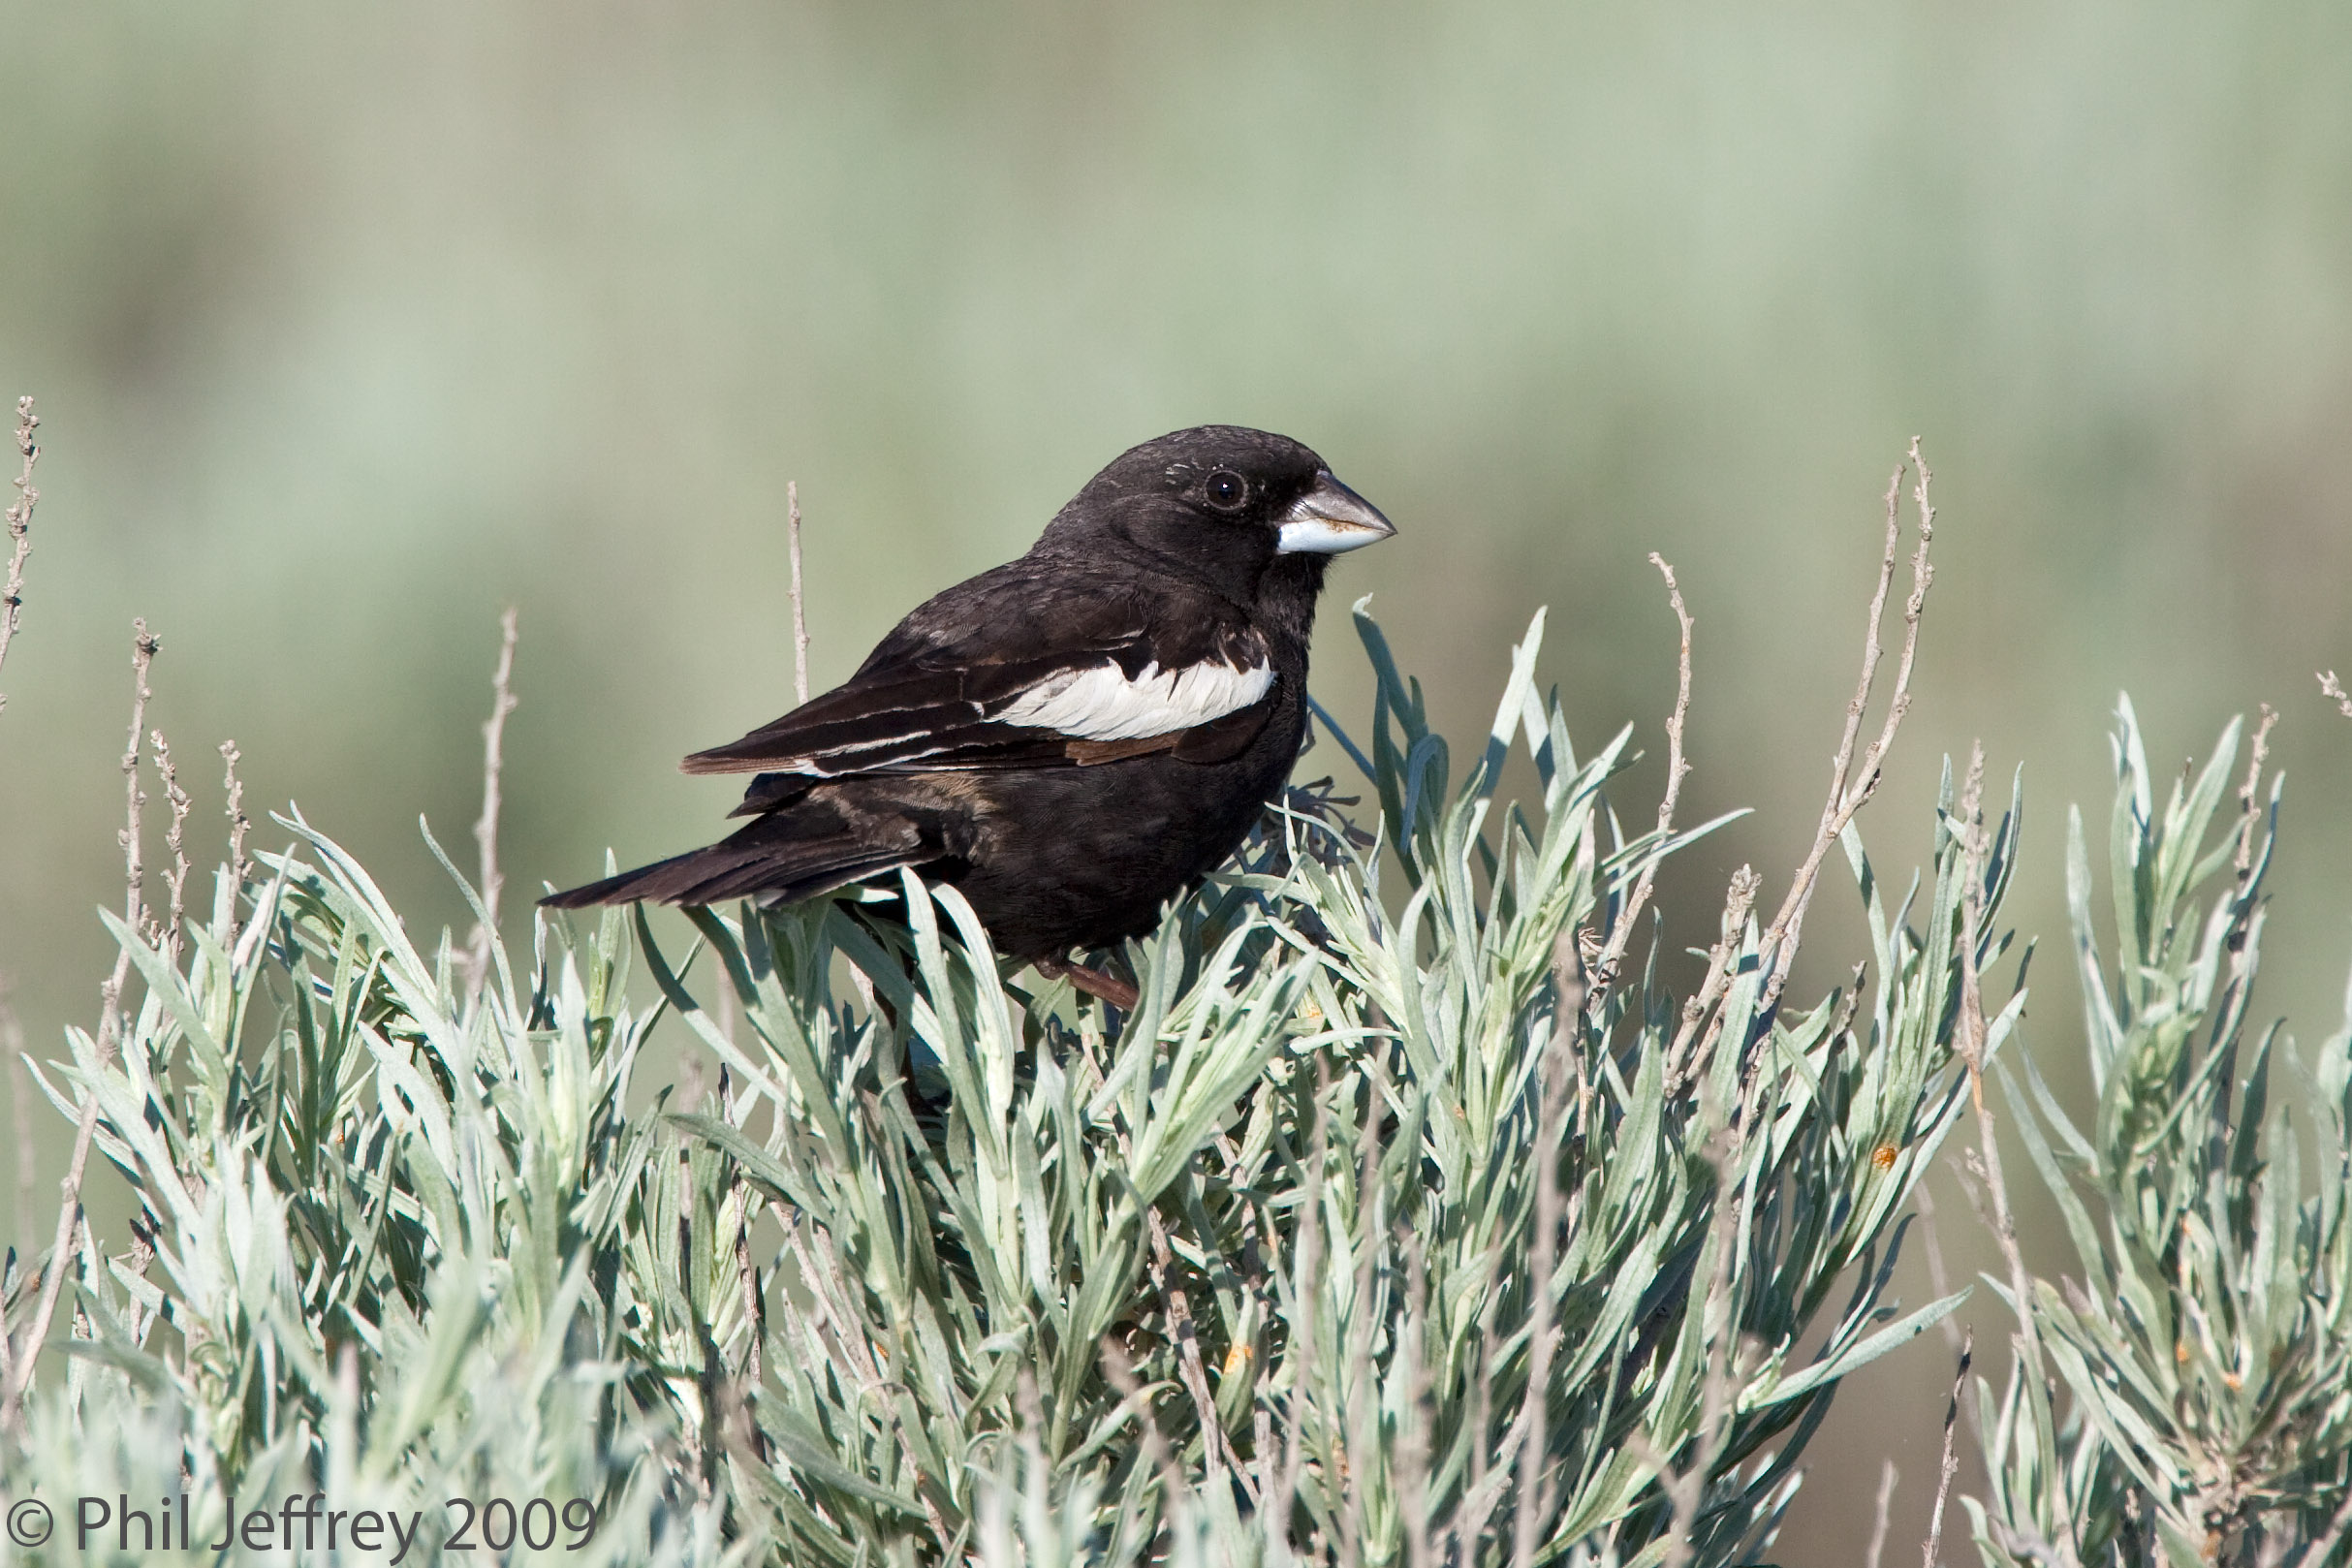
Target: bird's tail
776	860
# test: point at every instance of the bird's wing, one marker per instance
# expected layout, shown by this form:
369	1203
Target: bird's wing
1062	680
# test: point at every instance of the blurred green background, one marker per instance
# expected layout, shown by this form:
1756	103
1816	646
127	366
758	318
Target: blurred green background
351	326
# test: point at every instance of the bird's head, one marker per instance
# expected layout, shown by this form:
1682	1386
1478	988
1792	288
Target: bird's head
1224	506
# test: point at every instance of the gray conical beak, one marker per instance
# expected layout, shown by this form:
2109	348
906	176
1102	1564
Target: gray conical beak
1330	519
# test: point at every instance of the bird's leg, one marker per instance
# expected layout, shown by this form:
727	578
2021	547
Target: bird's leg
1119	993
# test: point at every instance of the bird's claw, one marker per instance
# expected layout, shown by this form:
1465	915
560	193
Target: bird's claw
1095	983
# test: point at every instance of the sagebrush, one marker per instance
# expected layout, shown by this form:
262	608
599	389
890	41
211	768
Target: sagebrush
1427	1209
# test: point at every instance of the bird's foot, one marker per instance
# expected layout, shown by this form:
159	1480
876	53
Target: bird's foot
1119	993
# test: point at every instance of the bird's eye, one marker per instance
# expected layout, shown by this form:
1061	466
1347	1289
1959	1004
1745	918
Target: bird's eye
1227	489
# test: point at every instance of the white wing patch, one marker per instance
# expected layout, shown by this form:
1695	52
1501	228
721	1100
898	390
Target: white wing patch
1103	704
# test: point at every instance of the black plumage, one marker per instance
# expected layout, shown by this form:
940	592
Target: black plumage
1073	738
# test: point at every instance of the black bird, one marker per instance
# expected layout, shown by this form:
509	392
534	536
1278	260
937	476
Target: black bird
1071	740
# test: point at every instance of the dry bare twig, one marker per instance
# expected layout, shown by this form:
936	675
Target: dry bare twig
20	529
748	1281
1543	1332
238	866
1305	1288
840	1315
2249	815
1683	1059
1852	785
753	1371
799	689
1217	1450
1604	970
1573	986
61	1250
1362	1435
173	930
1121	1374
1951	1461
1720	1342
485	829
1217	1447
1466	1529
1414	1435
800	615
1971	1041
1881	1515
2334	690
143	648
